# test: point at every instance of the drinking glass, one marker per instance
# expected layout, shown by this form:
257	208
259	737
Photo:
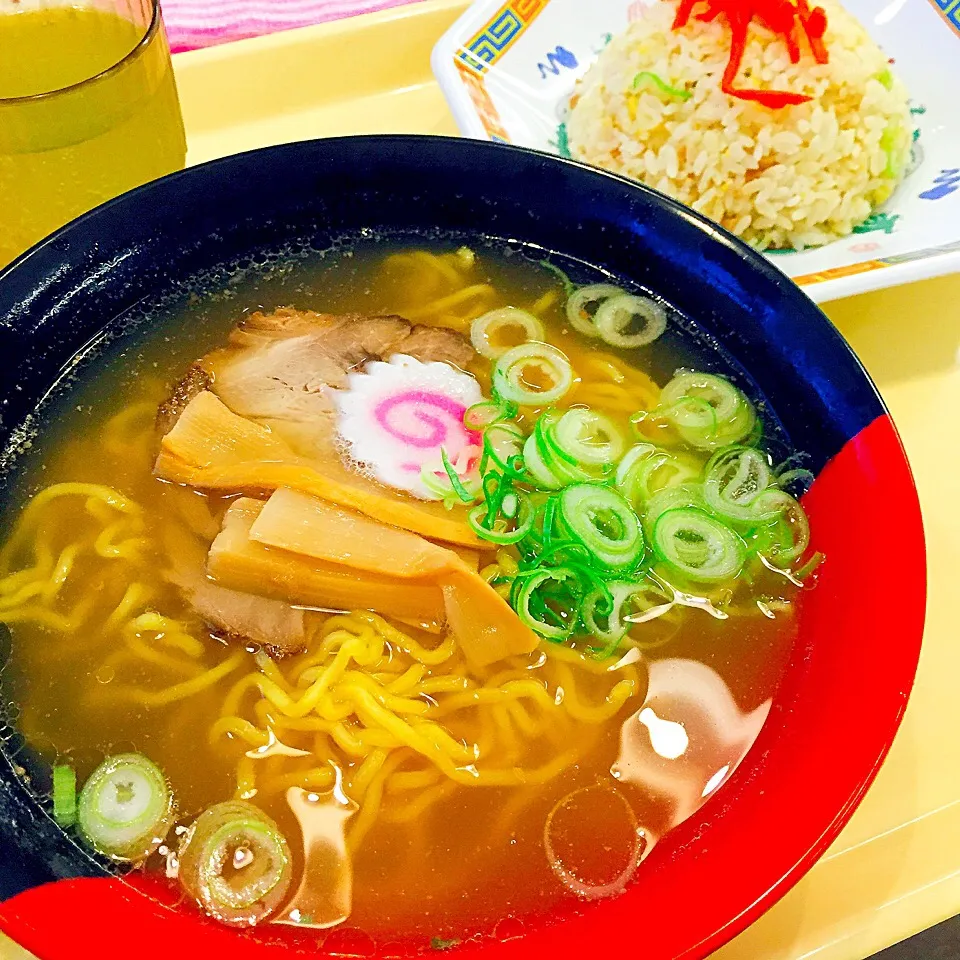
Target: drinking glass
88	109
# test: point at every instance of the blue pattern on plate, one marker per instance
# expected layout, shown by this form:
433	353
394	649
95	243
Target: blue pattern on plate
496	37
951	10
946	183
557	58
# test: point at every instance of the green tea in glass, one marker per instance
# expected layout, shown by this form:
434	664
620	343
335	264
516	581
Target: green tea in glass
88	109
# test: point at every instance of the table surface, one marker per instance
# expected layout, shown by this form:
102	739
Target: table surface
893	870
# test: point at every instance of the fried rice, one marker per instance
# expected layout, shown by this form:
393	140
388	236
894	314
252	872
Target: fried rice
787	178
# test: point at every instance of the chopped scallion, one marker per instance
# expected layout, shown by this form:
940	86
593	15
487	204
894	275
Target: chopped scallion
126	807
236	863
532	375
698	546
64	795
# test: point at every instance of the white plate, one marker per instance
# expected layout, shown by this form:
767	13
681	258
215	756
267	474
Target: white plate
507	70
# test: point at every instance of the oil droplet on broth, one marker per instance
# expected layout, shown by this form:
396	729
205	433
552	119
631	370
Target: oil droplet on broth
593	841
105	674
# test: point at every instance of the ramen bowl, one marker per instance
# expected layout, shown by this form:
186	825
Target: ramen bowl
838	704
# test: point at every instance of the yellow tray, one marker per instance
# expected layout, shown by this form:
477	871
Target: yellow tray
895	869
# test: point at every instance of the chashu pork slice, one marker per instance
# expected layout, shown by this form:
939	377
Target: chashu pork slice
278	369
239	615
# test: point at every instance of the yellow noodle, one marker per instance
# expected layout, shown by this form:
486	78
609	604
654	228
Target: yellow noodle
238	727
181	640
39	571
179	691
517	775
246	779
119	438
94	492
371	806
304	724
365	696
145	652
441	264
399	705
231	705
600	712
414	779
64	623
527	724
407	644
511	690
373	714
270	669
134	596
544	303
408	681
364	774
500	717
61	571
412	809
316	778
451	300
434	685
38	588
358	742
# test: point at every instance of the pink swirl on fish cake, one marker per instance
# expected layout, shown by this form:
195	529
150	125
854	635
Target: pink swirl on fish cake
399	418
439	431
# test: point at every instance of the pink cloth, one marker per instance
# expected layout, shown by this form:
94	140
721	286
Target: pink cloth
202	23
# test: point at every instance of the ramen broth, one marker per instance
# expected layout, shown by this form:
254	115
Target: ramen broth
442	859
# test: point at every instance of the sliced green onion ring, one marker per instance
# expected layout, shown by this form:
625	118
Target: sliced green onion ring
735	418
698	546
582	306
561	461
502	442
568	285
617	316
487	412
547	610
456	483
488	329
785	532
589	437
532	375
691	414
671	498
438	487
126	807
502	530
734	478
538	470
655	472
601	612
236	864
64	795
547	461
603	521
800	479
638	452
605	612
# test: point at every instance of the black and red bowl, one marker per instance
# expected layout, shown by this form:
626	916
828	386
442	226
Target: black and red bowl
847	683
